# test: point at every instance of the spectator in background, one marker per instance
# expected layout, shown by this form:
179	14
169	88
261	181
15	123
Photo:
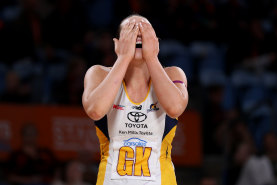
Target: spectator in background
90	162
30	165
213	117
106	49
22	35
73	174
99	48
259	168
15	91
65	26
270	147
239	147
208	181
69	91
240	158
74	80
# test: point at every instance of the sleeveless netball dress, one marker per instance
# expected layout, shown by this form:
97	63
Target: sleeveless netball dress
135	142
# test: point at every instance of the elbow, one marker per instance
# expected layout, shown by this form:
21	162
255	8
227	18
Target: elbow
93	112
174	112
95	115
177	110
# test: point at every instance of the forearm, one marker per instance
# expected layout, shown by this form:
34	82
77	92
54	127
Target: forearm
169	95
99	101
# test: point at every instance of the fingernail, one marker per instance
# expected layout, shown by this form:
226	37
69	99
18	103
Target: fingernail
140	24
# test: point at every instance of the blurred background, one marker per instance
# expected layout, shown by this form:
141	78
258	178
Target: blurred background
227	48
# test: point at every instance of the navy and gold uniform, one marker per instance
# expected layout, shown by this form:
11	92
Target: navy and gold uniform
135	142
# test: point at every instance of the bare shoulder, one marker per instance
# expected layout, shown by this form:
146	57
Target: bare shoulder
176	73
96	74
98	70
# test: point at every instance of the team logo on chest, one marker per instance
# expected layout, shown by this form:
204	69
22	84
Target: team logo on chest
136	117
153	107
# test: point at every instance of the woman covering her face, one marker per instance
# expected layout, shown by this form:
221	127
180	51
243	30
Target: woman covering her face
135	105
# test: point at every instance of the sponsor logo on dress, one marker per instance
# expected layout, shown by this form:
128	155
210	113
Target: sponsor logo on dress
136	125
137	107
153	107
119	107
136	116
134	142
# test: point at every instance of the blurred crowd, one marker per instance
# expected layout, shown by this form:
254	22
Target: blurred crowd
32	164
227	49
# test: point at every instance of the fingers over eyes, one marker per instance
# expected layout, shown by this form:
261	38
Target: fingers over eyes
128	29
147	30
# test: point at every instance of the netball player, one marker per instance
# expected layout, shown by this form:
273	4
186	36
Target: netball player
137	103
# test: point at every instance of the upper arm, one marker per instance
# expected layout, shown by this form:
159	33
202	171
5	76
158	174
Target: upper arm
94	76
176	73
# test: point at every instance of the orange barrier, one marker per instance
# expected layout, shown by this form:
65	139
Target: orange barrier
187	144
67	131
